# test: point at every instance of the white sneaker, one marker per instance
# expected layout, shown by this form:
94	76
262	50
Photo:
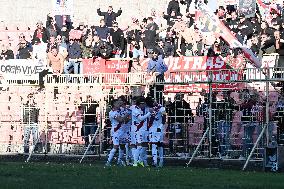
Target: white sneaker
108	164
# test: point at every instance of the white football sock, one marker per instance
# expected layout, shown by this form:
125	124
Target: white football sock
144	155
154	154
139	152
161	155
135	155
120	155
111	154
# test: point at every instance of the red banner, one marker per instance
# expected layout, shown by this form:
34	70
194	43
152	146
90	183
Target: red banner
180	69
99	65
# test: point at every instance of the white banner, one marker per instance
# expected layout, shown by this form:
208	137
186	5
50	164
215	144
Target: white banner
21	69
210	22
62	7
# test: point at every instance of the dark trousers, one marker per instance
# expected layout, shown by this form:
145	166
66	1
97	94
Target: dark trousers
159	89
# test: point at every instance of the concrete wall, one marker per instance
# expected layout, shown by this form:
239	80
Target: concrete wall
27	12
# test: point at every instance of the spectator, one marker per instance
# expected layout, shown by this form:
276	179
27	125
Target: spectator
90	124
86	46
24	51
265	29
51	26
64	32
39	50
279	46
74	53
62	46
246	28
149	38
157	65
136	51
51	43
171	18
102	31
41	33
169	47
174	6
55	61
101	48
109	16
117	40
160	48
6	53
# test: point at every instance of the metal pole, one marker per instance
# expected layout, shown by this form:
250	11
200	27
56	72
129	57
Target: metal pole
46	124
267	105
198	146
210	114
90	144
254	147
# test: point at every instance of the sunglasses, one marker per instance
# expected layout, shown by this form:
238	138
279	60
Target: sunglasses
71	39
115	26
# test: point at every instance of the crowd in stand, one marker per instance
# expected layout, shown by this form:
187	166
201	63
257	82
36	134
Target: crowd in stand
65	43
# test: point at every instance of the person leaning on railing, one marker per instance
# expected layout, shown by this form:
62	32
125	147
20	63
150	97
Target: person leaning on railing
156	65
55	63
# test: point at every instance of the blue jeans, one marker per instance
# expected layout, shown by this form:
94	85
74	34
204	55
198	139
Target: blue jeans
75	66
89	128
248	137
223	133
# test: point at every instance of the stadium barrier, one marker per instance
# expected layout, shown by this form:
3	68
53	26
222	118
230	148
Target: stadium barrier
60	126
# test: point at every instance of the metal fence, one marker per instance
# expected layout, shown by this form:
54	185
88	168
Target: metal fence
231	118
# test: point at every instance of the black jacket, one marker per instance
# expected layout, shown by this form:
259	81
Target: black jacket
109	18
44	33
102	49
117	38
173	5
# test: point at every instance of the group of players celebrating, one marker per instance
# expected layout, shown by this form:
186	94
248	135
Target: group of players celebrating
135	128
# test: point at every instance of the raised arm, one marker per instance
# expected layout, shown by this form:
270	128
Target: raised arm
100	13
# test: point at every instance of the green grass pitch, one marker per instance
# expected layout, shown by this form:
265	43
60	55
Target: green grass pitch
93	176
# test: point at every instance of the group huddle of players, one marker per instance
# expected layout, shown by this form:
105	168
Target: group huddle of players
135	128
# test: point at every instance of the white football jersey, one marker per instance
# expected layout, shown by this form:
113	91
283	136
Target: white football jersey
139	119
156	119
115	125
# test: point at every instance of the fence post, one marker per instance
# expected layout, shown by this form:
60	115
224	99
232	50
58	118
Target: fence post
267	104
210	113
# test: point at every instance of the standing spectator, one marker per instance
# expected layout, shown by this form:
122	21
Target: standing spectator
169	47
102	31
117	39
109	16
74	53
246	28
6	53
234	21
157	65
90	124
24	51
174	5
64	32
39	50
279	46
55	60
171	18
101	48
41	32
30	120
51	26
161	48
149	39
51	43
86	46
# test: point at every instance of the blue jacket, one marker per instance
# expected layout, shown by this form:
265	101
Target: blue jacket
157	66
74	51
